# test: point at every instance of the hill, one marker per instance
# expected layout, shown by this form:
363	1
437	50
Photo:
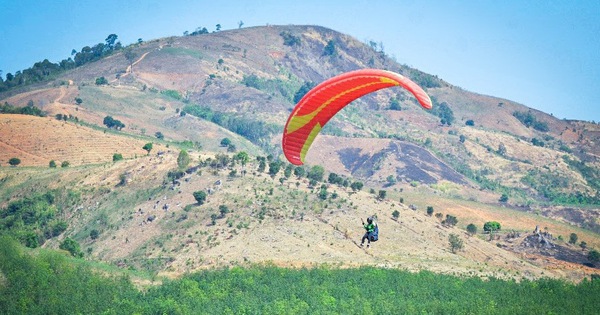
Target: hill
195	91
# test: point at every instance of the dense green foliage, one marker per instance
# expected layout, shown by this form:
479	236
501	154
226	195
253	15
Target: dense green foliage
445	113
527	119
27	110
50	283
256	131
113	123
32	220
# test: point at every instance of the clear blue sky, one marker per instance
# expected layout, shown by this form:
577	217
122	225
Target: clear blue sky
543	54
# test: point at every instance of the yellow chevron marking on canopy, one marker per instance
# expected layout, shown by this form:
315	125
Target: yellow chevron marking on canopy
300	121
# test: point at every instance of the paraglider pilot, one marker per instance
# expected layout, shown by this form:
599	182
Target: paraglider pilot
370	229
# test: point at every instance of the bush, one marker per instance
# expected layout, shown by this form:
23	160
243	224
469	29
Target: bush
573	238
117	157
71	246
52	164
455	243
429	210
396	214
491	226
472	229
14	161
450	220
101	81
200	197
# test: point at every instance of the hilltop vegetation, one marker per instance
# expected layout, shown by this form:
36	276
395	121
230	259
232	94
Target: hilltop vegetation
49	282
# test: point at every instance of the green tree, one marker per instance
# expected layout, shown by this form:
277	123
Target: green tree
472	229
573	238
307	86
65	164
274	168
78	101
200	196
52	164
147	147
71	246
330	49
594	256
243	157
450	220
316	173
491	226
14	161
299	171
117	157
225	142
183	159
470	122
395	104
455	242
159	135
101	81
356	186
94	234
396	214
503	198
382	194
429	210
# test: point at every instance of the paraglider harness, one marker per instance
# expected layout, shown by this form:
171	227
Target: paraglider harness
374	234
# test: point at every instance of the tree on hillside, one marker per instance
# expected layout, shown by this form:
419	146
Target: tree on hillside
113	123
573	238
183	159
117	157
316	173
200	196
147	147
52	164
356	186
225	142
243	157
130	56
72	247
101	81
594	256
455	243
14	161
472	229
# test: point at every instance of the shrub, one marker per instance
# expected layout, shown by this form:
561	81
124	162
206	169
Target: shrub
200	197
52	164
455	243
117	157
101	81
491	226
573	238
429	210
472	229
396	214
14	161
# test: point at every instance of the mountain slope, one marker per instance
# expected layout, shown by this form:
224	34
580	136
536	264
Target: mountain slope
240	85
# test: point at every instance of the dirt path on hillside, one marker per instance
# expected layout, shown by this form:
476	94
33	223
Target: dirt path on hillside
129	67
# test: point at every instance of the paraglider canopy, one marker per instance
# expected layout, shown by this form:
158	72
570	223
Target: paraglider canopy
321	103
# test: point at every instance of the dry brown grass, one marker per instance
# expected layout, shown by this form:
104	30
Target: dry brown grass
36	141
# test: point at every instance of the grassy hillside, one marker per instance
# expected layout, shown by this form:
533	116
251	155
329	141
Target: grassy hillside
192	92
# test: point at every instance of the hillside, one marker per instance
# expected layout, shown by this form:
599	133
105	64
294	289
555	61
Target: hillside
240	85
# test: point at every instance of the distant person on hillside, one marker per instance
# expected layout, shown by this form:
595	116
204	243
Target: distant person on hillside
370	231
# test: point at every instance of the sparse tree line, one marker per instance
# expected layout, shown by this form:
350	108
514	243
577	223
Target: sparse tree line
46	70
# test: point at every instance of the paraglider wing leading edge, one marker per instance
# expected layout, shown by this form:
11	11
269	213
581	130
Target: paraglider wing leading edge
321	103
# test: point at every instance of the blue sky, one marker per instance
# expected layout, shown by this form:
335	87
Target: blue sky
543	54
